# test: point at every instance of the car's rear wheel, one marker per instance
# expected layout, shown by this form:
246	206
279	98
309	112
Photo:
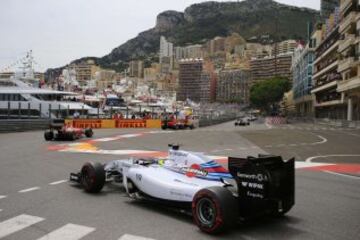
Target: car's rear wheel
92	177
214	209
89	132
49	135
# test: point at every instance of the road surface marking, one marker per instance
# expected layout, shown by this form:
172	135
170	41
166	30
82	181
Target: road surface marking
323	140
342	175
58	182
2	196
133	237
17	223
68	232
334	155
29	189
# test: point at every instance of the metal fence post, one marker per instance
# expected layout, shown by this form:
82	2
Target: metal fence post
98	112
39	110
28	110
57	114
111	112
8	111
127	112
68	111
49	110
19	110
82	111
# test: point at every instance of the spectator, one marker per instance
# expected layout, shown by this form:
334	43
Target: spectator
76	114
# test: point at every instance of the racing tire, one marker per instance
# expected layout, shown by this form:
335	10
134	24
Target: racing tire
89	132
49	135
92	177
236	124
191	127
72	136
163	127
214	209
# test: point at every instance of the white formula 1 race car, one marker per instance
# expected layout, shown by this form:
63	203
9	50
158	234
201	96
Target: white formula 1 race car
193	182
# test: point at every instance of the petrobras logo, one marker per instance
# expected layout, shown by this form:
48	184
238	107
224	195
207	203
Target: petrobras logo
194	170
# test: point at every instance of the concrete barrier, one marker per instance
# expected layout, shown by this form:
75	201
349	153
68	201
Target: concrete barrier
21	125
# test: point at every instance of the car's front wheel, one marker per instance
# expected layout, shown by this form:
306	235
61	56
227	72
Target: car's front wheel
89	132
214	209
49	135
92	177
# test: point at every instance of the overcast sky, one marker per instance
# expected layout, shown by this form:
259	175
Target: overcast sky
59	31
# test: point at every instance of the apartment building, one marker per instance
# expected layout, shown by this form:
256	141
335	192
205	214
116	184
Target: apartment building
268	67
328	102
302	70
190	71
85	71
233	86
349	52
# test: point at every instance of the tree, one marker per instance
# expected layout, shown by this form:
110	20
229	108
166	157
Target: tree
266	94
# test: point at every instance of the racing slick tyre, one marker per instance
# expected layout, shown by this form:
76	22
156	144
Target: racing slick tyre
164	127
89	132
49	135
92	177
214	209
72	136
236	124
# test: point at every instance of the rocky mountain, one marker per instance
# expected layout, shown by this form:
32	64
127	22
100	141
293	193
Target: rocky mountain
204	21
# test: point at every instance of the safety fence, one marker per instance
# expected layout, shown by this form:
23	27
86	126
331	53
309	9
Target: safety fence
276	120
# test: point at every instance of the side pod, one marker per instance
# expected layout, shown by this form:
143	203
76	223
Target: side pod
266	184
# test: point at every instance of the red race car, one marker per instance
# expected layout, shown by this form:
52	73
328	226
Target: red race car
58	130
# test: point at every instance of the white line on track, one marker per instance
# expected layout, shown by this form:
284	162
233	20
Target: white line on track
68	232
133	237
342	175
2	196
58	182
323	140
17	223
29	189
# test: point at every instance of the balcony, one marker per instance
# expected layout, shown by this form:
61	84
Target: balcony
345	4
347	21
324	87
348	85
325	70
346	64
347	42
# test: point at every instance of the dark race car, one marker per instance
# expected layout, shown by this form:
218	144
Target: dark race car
242	122
58	130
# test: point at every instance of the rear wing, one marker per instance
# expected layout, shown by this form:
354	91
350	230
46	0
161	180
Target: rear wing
56	123
264	183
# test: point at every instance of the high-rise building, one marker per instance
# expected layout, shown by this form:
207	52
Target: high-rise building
136	69
327	7
233	86
349	50
268	67
302	79
85	71
166	55
284	47
189	80
328	102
